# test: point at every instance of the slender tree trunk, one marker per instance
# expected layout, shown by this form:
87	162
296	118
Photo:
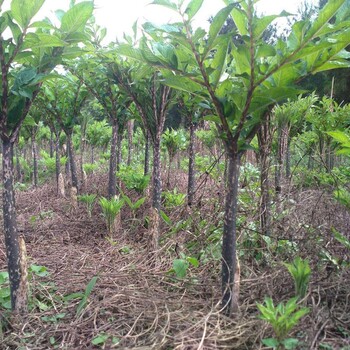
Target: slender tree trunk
265	142
279	163
191	166
156	195
82	154
146	165
59	177
288	173
119	150
51	144
112	181
72	163
92	154
35	160
18	167
15	258
130	135
229	260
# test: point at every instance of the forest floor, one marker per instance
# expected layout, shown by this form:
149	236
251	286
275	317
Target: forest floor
141	304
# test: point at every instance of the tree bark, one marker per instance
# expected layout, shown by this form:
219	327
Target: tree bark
146	164
58	164
112	180
229	259
18	167
191	166
35	159
13	250
51	144
119	150
72	163
130	135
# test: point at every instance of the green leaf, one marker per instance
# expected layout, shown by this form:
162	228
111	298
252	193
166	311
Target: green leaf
193	261
165	218
327	12
180	267
216	25
241	20
193	7
271	342
290	343
341	137
341	239
100	339
24	10
87	293
40	40
75	18
181	83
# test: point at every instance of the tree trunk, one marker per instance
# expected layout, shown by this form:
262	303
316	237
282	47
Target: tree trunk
112	180
191	167
265	138
146	165
288	173
119	150
51	144
72	163
82	154
60	187
229	260
130	134
16	265
18	167
35	160
92	154
156	196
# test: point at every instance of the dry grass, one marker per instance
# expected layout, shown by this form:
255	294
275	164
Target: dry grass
137	300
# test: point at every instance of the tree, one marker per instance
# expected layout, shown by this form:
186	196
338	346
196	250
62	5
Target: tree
152	100
240	81
26	59
93	73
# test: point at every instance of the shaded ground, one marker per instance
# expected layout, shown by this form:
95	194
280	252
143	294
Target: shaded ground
137	304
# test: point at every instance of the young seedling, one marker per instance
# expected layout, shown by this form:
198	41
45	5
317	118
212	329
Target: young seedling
282	318
301	272
110	210
89	200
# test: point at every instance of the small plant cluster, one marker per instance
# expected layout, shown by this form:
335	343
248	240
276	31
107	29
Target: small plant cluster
285	316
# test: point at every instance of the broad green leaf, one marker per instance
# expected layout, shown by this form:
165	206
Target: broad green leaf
341	137
193	7
182	83
180	267
100	339
76	17
41	40
241	21
290	343
270	342
216	25
218	64
24	10
327	12
129	51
